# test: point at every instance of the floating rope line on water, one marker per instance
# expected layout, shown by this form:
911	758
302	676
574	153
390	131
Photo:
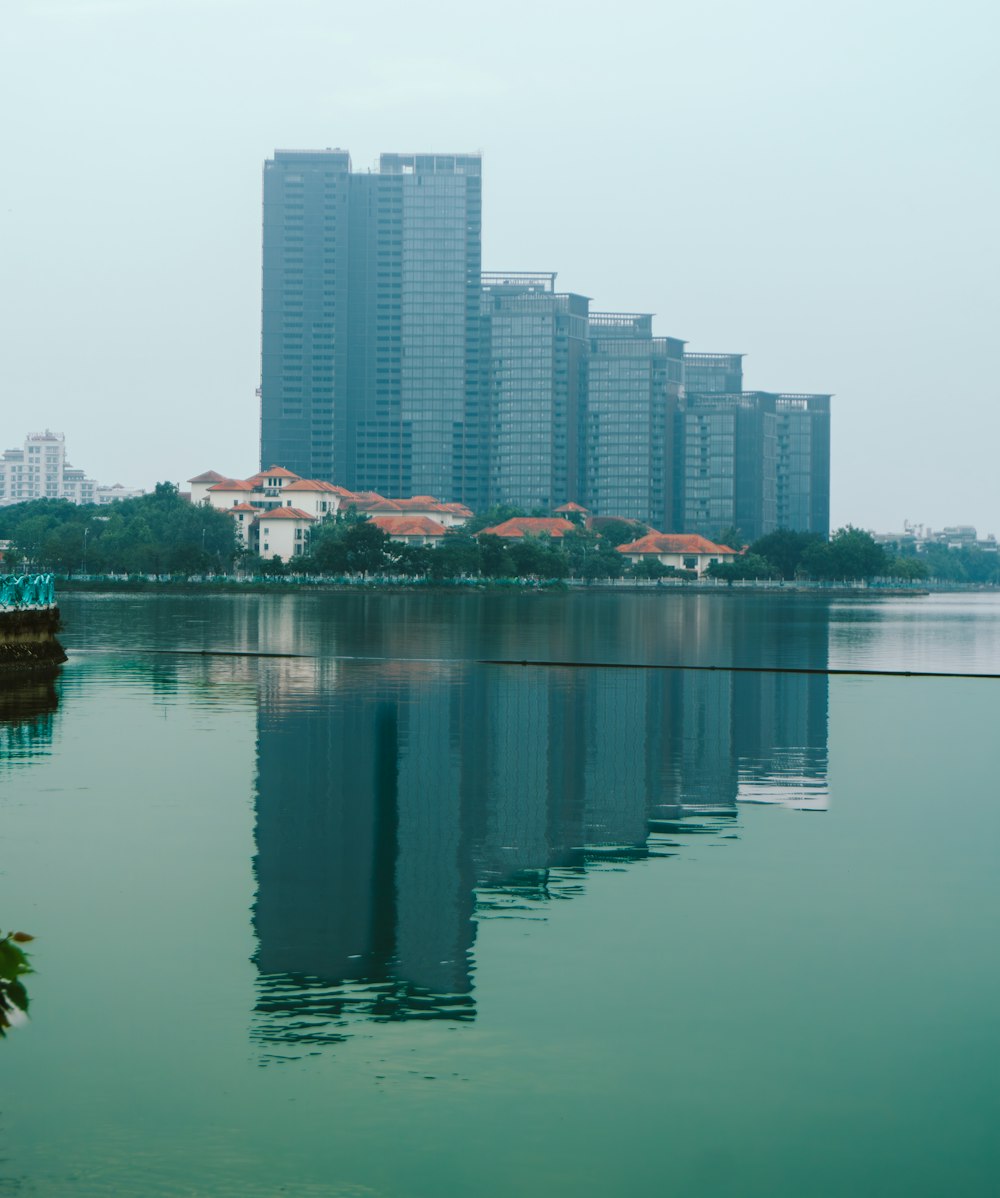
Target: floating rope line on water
827	671
823	670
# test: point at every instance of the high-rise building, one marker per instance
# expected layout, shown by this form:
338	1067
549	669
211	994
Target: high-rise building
802	462
535	344
725	471
635	382
39	470
370	371
707	373
36	470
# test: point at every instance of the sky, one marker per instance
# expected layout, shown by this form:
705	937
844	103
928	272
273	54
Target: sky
816	186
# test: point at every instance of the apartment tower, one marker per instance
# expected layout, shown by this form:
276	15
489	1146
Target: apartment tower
535	346
370	372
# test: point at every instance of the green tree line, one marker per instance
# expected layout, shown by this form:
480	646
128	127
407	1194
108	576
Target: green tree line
162	533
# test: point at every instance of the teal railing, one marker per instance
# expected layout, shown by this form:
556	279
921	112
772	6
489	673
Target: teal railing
21	592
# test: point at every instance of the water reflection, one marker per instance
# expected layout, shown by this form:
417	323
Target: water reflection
28	703
398	803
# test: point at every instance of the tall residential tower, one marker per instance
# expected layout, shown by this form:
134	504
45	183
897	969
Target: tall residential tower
370	372
535	343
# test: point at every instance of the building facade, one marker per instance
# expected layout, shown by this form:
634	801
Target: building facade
635	381
708	373
802	462
370	370
536	347
725	464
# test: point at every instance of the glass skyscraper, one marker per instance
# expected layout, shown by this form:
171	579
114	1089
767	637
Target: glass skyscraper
635	382
370	371
706	373
802	462
725	456
535	342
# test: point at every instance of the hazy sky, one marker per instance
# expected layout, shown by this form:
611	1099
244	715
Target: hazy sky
812	184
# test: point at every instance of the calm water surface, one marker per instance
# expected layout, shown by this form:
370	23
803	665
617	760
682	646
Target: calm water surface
373	917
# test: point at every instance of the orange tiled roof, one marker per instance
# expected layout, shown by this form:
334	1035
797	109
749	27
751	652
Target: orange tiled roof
311	484
377	505
573	507
241	507
409	526
285	513
273	472
532	526
233	484
210	476
669	542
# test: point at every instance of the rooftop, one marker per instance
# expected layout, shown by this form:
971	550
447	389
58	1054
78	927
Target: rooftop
670	542
409	526
285	513
531	526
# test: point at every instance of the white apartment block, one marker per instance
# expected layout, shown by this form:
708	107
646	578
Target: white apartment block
39	470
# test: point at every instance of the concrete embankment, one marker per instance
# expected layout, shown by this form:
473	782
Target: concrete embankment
28	638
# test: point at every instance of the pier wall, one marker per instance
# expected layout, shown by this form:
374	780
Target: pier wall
28	638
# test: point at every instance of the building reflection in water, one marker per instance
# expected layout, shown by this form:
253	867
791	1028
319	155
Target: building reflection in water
400	802
28	703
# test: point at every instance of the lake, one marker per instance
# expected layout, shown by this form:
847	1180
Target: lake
328	902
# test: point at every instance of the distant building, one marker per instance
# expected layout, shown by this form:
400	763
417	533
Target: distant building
39	470
802	462
536	346
917	537
706	374
635	383
725	459
370	369
112	494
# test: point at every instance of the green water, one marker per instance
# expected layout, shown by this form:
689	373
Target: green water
378	919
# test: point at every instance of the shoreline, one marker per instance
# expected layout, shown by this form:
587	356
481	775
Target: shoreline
163	586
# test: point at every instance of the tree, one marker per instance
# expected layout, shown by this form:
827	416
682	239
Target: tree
605	563
910	568
784	550
273	567
732	537
13	967
495	559
620	532
457	555
851	553
154	532
746	566
413	560
365	546
651	567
